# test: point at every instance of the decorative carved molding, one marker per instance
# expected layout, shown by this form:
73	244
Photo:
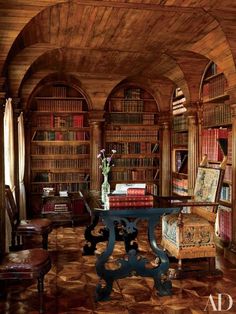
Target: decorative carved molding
192	109
96	116
165	117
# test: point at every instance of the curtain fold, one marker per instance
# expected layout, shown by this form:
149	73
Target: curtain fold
9	159
21	156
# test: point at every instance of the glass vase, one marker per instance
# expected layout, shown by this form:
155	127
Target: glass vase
105	190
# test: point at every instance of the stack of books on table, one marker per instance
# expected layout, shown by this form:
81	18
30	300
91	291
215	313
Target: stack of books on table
132	197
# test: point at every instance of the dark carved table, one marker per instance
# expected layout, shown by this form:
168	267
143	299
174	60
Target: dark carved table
133	264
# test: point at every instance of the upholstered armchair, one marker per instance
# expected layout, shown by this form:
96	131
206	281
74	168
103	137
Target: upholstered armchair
191	233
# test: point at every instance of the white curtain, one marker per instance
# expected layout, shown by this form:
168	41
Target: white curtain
21	156
9	159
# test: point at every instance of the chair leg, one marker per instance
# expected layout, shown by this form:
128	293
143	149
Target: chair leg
40	292
45	241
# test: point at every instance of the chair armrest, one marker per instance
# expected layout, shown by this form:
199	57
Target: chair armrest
194	203
170	200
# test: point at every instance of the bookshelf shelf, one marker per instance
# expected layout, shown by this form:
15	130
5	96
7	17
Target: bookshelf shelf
217	127
179	144
60	141
132	129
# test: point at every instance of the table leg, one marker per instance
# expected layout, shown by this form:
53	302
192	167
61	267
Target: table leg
161	282
92	240
133	263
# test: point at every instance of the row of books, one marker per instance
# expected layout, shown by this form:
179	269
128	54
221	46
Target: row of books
136	162
134	118
61	136
71	187
180	138
214	87
225	223
59	177
58	91
226	193
55	121
180	186
59	163
210	145
133	201
128	106
133	93
216	114
38	149
132	135
180	123
133	147
135	175
63	105
132	105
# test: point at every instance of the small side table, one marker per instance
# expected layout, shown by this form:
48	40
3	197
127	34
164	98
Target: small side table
134	264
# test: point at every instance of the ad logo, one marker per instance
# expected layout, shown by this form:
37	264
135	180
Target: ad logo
223	302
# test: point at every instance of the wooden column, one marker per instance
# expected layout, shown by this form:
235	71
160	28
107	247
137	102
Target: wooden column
165	158
193	146
230	253
96	144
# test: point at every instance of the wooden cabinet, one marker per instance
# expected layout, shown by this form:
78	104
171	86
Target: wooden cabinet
60	142
65	209
216	138
132	130
179	144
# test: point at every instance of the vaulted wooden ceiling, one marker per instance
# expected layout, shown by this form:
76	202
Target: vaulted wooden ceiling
156	43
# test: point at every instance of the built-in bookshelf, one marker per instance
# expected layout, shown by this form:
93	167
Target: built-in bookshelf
60	141
179	144
216	139
132	130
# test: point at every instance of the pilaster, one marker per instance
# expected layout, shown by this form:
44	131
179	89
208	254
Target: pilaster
193	144
96	119
165	177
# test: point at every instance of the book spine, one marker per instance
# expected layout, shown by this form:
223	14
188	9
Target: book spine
133	191
131	204
130	198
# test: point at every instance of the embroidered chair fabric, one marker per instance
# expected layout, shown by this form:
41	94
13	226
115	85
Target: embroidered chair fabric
40	226
191	235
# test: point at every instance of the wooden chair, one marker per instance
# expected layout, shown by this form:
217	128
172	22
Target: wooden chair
191	235
26	265
37	226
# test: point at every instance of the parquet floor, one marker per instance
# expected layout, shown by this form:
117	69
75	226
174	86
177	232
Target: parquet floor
70	286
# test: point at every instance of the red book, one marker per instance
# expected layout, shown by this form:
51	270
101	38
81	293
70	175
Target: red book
78	121
130	198
130	204
136	191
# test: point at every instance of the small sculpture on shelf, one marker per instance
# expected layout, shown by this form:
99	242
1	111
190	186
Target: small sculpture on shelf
106	164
